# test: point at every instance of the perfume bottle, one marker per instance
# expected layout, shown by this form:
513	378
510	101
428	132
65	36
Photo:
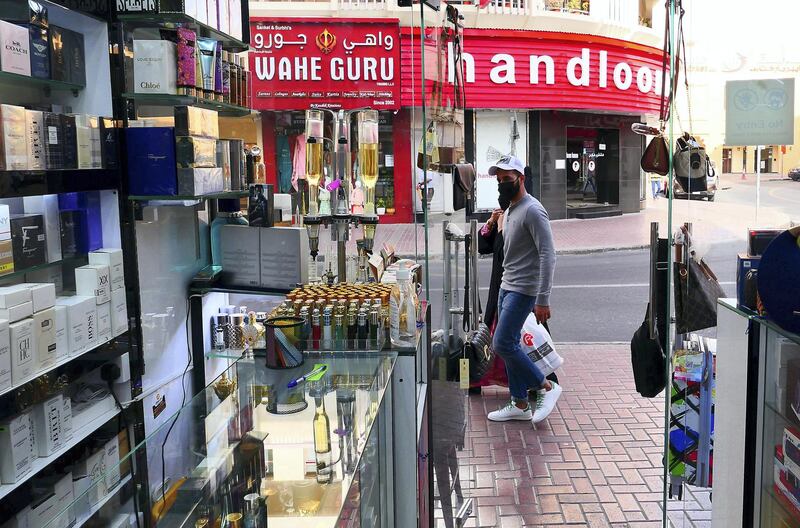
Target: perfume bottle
327	330
340	336
252	331
237	341
363	329
352	329
322	441
316	329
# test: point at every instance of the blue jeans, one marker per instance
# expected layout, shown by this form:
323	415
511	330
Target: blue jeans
512	310
655	185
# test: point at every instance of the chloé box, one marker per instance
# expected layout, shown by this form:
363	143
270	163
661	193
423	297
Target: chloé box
155	68
34	128
47	206
111	257
15	457
44	327
196	152
81	322
15	51
119	312
47	425
28	240
5	356
39	38
23	350
93	280
69	134
13	138
104	323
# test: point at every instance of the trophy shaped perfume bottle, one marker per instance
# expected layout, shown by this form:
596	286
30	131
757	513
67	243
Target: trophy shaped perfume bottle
368	155
314	156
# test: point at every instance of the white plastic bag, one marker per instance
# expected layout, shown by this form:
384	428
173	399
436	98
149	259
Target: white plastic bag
535	341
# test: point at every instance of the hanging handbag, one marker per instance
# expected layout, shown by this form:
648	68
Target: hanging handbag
691	164
478	341
656	156
696	293
648	362
463	181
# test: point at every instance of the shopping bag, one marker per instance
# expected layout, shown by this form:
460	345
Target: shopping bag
535	341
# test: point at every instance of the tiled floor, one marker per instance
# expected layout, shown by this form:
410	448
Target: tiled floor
595	462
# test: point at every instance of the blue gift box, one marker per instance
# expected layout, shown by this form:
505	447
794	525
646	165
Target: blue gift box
152	164
87	217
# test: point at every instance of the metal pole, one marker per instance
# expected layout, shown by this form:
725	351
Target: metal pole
473	285
758	180
446	315
653	278
341	251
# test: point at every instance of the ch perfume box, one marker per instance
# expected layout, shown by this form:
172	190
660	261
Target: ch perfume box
23	350
15	457
104	323
5	356
15	52
34	129
192	152
47	206
59	62
28	240
44	328
69	133
119	312
93	280
155	68
81	322
54	141
152	161
47	425
13	138
111	257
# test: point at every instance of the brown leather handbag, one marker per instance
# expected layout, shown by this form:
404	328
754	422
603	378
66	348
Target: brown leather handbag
656	156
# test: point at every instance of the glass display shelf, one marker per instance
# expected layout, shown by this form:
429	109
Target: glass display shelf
243	290
777	509
16	80
229	43
731	304
169	198
78	260
224	109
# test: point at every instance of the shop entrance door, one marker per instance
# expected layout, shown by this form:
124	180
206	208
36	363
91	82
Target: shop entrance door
592	170
727	161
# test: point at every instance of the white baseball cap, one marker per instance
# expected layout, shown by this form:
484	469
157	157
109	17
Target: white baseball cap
507	163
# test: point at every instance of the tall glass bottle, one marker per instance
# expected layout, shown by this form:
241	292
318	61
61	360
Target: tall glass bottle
229	213
402	311
314	156
368	156
322	441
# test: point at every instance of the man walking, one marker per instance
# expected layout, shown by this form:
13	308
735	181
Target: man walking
530	259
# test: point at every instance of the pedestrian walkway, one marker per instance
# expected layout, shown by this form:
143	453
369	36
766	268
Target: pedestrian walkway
596	462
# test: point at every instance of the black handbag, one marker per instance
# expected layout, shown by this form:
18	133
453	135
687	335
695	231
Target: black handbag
648	361
478	341
696	293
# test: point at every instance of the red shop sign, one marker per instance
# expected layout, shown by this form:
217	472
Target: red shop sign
545	70
325	63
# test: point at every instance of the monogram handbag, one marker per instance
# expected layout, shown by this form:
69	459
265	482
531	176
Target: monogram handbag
478	341
696	293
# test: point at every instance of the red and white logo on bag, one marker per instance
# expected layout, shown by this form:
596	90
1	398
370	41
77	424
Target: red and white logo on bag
527	338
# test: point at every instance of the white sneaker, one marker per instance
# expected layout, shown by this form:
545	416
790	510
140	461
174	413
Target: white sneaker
510	412
546	402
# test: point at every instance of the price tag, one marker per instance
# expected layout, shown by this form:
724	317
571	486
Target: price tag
463	370
52	135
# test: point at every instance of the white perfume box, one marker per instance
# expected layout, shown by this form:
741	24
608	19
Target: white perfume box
43	295
96	142
93	467
119	312
93	280
224	16
15	457
32	433
44	328
213	13
13	138
84	142
47	206
113	475
62	332
14	295
104	323
235	8
66	418
43	511
15	54
61	486
47	425
155	68
81	319
5	356
5	223
112	258
190	8
23	350
19	520
17	313
34	127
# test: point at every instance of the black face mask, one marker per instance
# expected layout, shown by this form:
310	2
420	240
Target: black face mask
508	190
504	202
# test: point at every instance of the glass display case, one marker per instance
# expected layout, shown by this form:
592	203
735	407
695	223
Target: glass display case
264	445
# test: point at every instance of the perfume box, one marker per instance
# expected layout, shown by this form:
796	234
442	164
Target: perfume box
44	328
241	249
15	457
235	8
76	57
83	139
43	295
196	152
224	16
104	323
24	12
15	51
119	312
261	206
47	207
69	134
113	476
16	313
59	62
201	11
151	161
155	68
223	161
81	319
32	433
213	14
198	122
109	139
284	257
54	141
6	257
197	182
95	142
93	467
93	280
186	49
5	223
23	350
13	138
60	486
112	258
28	240
66	418
14	295
91	231
5	356
38	37
62	331
34	130
73	232
237	164
47	425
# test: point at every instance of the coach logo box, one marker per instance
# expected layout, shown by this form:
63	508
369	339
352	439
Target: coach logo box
93	280
47	425
112	258
28	240
13	138
15	457
44	327
81	320
15	51
23	350
155	68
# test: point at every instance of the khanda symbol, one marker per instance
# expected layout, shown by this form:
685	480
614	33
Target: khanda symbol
326	41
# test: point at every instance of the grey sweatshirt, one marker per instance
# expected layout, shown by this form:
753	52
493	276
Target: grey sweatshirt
530	255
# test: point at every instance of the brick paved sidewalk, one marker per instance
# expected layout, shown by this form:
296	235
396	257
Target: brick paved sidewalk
595	462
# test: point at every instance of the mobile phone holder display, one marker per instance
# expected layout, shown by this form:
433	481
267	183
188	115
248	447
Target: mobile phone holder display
330	206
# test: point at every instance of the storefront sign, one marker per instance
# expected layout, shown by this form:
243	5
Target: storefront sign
759	112
532	70
325	63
